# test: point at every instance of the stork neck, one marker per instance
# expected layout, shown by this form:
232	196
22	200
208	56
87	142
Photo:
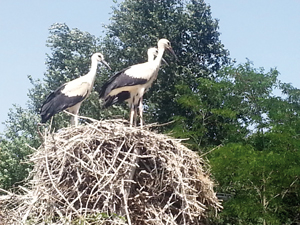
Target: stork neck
93	70
159	56
150	57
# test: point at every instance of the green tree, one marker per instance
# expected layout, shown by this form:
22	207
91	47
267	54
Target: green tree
137	25
261	184
226	108
20	135
260	170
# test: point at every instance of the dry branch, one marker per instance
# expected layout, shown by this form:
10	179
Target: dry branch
107	173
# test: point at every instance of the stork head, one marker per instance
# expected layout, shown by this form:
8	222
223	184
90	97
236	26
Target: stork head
100	58
166	44
152	52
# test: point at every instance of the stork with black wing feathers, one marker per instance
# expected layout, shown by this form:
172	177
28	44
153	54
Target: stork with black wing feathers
70	95
131	83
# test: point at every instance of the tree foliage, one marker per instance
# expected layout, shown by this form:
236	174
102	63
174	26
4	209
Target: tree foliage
226	108
260	170
15	145
261	185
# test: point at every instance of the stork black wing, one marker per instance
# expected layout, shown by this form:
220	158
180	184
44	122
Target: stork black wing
120	97
57	102
120	79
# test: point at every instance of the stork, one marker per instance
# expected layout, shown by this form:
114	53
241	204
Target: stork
70	95
131	83
151	53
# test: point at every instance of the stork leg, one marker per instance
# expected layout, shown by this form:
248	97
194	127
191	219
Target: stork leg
131	114
74	119
135	115
74	110
141	111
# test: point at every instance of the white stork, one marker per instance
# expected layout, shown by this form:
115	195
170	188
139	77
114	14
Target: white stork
151	53
70	95
131	83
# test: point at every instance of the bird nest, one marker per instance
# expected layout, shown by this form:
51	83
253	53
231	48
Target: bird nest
108	173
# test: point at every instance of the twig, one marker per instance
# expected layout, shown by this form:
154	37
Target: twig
125	199
211	150
81	117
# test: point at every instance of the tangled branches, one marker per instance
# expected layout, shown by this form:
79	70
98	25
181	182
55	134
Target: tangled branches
108	173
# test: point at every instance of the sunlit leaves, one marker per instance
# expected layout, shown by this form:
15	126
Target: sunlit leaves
20	133
258	182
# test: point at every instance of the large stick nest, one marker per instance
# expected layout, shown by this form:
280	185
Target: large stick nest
108	173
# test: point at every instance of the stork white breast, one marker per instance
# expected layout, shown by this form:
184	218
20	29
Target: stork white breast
142	71
77	89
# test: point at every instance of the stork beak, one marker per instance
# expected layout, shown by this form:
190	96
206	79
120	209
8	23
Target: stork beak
106	64
165	61
173	53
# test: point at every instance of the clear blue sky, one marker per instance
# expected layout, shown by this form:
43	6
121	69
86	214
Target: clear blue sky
265	31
